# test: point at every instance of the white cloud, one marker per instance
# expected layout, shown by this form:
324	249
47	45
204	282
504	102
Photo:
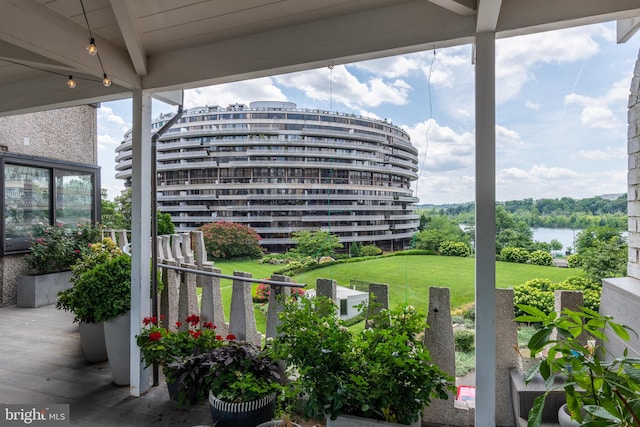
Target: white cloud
106	114
507	138
532	105
517	57
537	174
244	92
609	153
106	141
343	87
597	112
391	67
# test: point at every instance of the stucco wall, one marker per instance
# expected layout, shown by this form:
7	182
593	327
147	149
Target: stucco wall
65	134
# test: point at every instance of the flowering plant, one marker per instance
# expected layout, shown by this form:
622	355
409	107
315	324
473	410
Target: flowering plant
56	248
241	372
160	345
383	372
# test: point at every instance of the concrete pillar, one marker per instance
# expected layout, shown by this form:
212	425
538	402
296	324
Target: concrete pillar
327	288
176	249
166	247
186	248
212	309
378	299
277	298
506	356
438	339
242	321
139	378
485	229
571	300
169	296
188	295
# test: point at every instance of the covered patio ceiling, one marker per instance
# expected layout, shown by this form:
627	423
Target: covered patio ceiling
180	44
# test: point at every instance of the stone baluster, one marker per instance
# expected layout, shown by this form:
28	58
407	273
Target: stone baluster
506	356
212	309
186	248
169	296
242	321
188	295
378	300
166	247
122	240
327	288
176	250
277	298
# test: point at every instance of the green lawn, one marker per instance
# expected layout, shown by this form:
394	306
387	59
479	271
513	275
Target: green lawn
409	277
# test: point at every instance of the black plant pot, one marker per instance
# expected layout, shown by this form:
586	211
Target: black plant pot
245	414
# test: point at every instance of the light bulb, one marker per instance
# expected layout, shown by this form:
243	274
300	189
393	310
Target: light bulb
92	49
106	81
71	83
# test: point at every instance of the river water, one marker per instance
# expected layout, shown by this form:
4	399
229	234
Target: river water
566	236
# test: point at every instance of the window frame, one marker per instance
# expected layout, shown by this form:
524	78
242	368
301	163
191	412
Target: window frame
54	167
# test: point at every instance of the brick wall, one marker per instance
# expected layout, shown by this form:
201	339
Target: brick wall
65	134
633	191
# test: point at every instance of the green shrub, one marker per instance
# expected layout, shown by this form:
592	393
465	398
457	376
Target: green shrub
511	254
454	249
370	250
230	240
539	293
541	258
464	339
574	261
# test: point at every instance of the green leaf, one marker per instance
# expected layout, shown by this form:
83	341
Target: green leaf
535	414
600	412
539	339
620	330
533	311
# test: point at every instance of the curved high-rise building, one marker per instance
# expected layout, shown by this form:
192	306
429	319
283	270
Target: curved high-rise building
281	169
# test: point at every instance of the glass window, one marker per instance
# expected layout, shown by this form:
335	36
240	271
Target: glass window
26	203
74	198
44	191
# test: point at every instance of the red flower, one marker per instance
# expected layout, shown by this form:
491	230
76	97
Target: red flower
178	324
77	251
152	320
195	334
219	337
193	319
231	337
208	325
155	336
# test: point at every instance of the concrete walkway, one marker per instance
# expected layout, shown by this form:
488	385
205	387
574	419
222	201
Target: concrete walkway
41	362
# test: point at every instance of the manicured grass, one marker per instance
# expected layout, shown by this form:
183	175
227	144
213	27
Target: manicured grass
409	277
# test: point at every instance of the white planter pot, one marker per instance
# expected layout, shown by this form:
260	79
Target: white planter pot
564	419
351	421
116	334
92	341
41	289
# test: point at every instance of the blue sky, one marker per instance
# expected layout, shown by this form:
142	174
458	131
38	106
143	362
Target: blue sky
561	112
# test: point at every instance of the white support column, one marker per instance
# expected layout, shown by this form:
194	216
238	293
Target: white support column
485	230
140	234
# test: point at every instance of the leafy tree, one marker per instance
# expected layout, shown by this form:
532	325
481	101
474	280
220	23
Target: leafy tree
316	243
230	240
354	250
370	250
165	226
440	229
556	245
511	232
605	259
586	239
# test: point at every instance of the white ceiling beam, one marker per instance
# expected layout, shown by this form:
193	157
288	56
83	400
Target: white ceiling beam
488	13
34	27
52	92
519	17
626	28
343	39
125	15
456	7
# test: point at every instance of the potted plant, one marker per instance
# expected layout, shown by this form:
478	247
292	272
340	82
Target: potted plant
91	329
600	388
243	381
103	293
54	249
381	373
184	346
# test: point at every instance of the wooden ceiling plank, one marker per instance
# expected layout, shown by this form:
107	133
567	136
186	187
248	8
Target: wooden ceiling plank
127	22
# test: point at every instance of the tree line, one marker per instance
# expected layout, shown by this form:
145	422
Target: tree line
565	212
